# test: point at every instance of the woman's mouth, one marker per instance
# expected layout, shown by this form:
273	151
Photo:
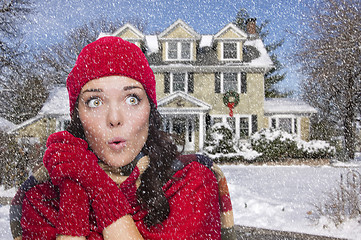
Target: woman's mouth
117	144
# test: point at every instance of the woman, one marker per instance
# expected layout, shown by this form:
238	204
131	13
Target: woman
113	174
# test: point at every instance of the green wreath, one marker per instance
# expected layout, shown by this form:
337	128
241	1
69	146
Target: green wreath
231	97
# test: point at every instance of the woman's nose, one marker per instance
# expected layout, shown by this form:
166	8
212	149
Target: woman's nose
114	116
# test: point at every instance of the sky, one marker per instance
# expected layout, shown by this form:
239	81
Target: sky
54	18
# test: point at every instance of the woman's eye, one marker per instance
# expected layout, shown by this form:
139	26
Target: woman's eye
93	103
132	100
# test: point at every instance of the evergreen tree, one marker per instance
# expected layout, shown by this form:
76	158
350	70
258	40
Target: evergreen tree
274	76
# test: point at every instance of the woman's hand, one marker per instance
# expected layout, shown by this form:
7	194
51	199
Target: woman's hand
68	157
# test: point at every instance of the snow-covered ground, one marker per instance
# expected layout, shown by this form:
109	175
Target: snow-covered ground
273	197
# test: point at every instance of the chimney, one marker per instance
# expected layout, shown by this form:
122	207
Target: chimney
251	26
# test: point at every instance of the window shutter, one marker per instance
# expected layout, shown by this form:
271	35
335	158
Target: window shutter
254	124
190	82
217	82
166	82
243	82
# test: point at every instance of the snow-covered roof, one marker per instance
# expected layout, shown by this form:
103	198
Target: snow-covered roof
206	41
287	106
152	43
184	25
57	102
6	125
263	60
234	28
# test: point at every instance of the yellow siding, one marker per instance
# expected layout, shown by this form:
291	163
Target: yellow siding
305	128
230	33
179	32
180	103
219	51
159	78
40	129
128	34
194	53
250	103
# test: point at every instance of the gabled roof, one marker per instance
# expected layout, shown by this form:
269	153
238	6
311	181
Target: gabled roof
151	41
57	102
241	34
274	106
197	105
6	125
26	123
130	27
264	59
185	26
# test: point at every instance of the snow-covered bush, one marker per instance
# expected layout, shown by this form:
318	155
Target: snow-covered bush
222	146
277	145
342	204
17	159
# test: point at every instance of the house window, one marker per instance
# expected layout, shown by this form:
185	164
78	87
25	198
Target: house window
178	82
230	51
217	120
179	50
287	124
243	127
232	123
62	124
240	125
172	50
230	82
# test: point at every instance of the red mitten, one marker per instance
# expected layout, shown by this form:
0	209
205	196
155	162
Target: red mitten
68	157
73	216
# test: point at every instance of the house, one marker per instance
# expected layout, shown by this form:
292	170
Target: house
202	80
6	125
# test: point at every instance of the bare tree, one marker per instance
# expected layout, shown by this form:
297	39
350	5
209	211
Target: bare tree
25	88
12	13
330	56
56	61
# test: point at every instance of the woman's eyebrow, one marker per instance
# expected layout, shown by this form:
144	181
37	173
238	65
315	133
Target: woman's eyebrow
127	88
93	90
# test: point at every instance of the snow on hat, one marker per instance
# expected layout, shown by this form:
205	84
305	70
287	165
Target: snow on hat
110	56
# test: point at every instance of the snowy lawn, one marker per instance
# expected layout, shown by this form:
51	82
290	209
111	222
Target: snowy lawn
273	197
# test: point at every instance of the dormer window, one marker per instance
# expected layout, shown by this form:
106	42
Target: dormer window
230	51
179	50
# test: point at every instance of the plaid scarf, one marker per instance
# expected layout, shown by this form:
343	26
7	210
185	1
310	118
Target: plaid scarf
119	175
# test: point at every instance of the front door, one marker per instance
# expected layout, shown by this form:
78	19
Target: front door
183	128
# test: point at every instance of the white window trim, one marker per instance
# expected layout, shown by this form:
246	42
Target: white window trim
60	123
237	117
231	59
238	82
171	81
179	51
294	118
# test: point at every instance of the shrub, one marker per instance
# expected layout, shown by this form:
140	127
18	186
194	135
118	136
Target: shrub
343	203
222	146
17	159
277	145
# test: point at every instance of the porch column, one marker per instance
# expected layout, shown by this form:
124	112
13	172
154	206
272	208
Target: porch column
201	130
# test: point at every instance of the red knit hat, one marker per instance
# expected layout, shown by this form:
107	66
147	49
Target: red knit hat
109	56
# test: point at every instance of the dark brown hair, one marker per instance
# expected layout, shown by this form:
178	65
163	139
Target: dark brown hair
162	152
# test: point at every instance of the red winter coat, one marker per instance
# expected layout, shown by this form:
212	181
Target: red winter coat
192	194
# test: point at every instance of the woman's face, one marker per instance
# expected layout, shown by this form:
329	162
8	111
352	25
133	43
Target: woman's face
114	112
